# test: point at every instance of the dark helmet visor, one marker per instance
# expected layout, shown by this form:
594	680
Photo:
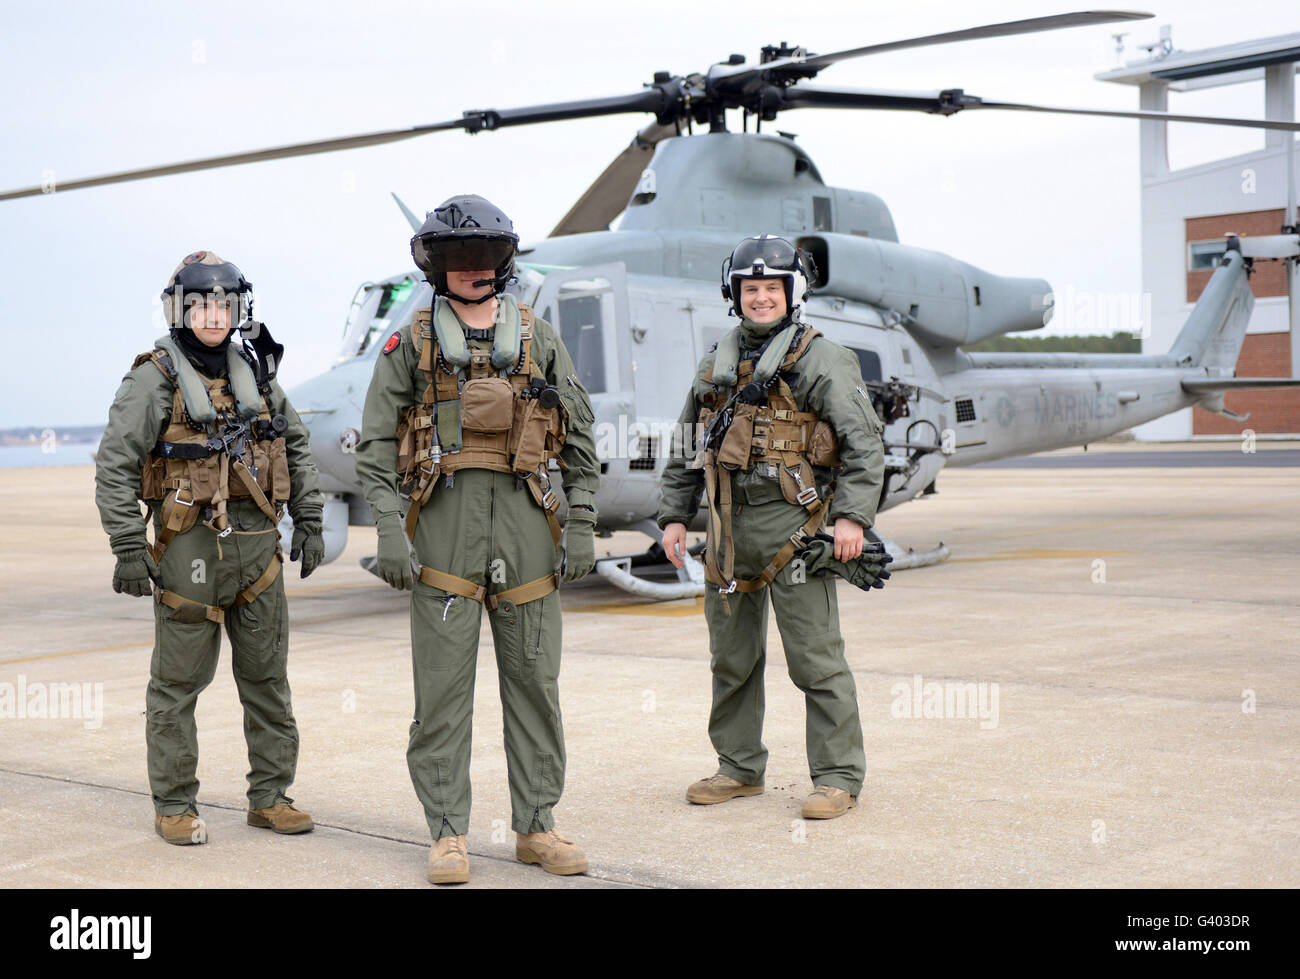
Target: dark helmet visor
461	252
774	253
222	278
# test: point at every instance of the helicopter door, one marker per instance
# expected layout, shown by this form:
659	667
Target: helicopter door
589	309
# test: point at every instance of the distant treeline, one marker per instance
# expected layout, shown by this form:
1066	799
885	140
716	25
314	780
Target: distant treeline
62	433
1119	342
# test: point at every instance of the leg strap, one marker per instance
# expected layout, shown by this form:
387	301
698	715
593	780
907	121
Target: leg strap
529	591
172	600
450	583
264	581
214	614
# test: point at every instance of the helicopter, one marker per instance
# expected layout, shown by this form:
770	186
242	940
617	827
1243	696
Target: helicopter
638	306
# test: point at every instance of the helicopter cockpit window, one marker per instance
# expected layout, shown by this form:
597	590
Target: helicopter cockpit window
869	362
376	310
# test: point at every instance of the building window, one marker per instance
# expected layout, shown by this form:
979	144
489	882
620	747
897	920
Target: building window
1205	254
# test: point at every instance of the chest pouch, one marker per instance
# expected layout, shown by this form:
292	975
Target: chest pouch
487	405
734	450
535	425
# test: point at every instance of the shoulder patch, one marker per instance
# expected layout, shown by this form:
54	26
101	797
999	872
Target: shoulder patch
393	342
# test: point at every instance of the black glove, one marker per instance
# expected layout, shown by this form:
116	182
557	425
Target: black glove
866	571
394	556
134	570
579	543
309	545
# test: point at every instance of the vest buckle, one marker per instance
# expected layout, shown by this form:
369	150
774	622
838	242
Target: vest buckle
807	495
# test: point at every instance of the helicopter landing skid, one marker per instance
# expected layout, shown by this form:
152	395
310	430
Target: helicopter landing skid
621	571
910	558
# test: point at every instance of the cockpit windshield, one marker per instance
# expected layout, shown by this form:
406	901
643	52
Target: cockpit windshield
378	308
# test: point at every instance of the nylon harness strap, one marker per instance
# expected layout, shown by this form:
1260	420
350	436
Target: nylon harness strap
723	578
542	497
521	594
249	595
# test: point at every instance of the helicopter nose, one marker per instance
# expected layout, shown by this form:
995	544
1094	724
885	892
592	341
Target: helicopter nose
328	405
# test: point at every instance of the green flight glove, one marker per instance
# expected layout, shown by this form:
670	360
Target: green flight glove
133	572
579	543
394	557
866	571
309	545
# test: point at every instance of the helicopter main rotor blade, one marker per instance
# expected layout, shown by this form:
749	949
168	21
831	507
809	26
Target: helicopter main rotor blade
809	65
234	159
609	193
955	100
651	99
1082	18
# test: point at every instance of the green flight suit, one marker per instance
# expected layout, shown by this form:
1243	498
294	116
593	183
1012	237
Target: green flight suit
486	529
825	380
198	567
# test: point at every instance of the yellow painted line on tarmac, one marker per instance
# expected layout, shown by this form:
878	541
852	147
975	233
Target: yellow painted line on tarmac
75	652
1038	554
673	609
1142	519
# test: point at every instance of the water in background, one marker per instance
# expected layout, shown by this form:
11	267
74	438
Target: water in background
25	456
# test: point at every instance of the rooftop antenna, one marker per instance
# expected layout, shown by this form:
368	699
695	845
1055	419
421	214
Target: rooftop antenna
1119	47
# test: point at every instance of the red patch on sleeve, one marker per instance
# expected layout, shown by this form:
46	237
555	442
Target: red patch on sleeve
392	343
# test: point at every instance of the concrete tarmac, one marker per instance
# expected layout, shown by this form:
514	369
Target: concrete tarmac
1099	689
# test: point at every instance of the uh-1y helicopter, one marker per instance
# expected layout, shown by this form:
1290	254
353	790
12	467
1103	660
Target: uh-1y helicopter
638	306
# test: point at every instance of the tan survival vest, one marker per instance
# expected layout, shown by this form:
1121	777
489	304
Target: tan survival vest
475	418
778	435
187	475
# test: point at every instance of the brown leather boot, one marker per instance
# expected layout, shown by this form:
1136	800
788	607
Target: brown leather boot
719	788
553	852
827	802
449	861
281	817
183	829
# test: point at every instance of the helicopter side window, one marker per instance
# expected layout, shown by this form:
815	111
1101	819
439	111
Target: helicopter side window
869	363
581	330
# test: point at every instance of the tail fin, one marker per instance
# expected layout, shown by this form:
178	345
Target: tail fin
411	219
1214	331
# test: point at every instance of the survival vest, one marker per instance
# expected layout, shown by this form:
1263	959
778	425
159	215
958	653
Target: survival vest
775	434
496	411
219	428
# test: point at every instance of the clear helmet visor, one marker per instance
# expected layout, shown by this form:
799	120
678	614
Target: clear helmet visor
210	310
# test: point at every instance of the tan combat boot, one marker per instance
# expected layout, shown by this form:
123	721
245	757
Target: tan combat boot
827	802
719	788
281	817
183	829
449	861
553	852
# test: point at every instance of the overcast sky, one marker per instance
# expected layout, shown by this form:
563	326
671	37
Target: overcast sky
93	88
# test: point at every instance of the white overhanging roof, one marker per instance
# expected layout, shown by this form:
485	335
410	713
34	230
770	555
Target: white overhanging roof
1209	67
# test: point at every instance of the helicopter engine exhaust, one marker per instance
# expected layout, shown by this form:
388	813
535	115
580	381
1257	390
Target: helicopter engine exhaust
943	301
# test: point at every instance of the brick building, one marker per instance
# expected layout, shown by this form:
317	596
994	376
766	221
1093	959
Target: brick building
1186	213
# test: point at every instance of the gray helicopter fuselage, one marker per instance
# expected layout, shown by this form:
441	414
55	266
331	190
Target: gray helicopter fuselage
638	307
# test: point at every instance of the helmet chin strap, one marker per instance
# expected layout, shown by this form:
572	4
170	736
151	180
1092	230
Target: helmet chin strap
471	302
